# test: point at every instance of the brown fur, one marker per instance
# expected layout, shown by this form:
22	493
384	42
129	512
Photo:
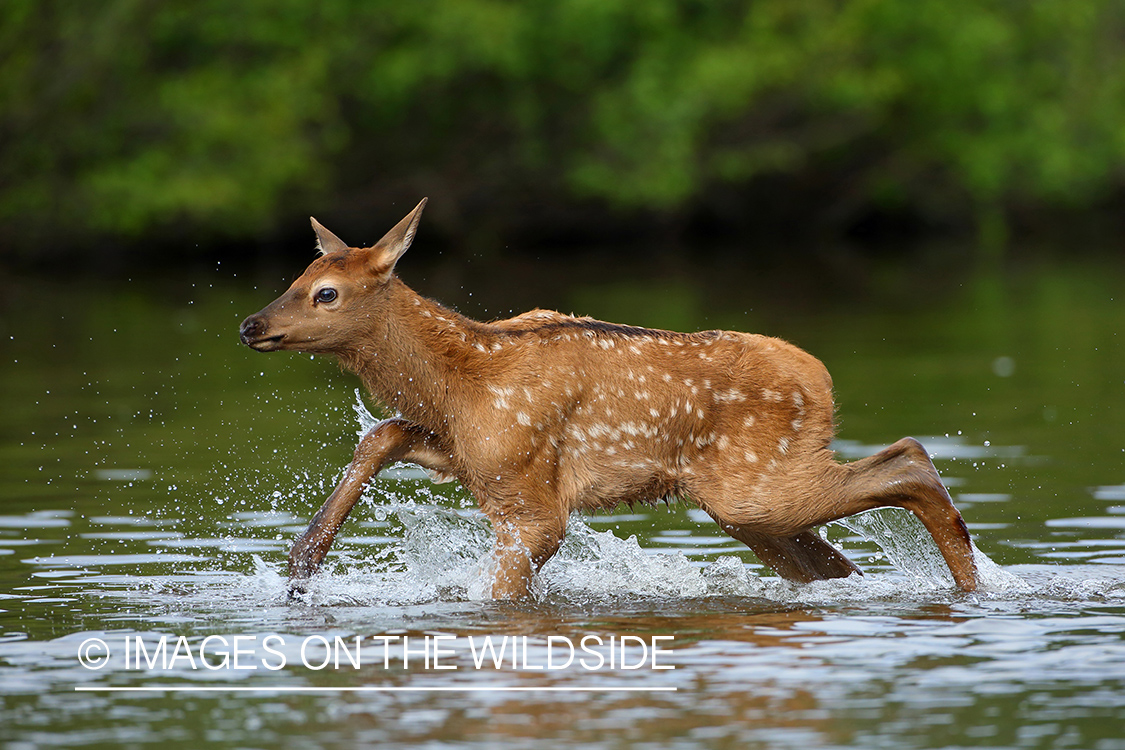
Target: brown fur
544	414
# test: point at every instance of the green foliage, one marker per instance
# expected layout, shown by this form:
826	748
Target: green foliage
124	118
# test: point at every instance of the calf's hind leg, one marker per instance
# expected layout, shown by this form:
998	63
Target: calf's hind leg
803	557
903	476
776	523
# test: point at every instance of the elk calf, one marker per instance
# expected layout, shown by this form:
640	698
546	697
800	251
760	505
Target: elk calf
544	414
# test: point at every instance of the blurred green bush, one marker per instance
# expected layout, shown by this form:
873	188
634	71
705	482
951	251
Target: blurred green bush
124	119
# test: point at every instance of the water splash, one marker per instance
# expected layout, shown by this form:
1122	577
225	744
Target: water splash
424	553
911	549
367	420
596	565
446	554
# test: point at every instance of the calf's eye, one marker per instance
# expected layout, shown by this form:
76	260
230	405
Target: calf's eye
327	294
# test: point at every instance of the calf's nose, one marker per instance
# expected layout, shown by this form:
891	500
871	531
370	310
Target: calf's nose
251	328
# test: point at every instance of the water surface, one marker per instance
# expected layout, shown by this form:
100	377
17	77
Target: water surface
153	474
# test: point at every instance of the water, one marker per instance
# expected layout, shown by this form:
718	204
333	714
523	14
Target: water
153	474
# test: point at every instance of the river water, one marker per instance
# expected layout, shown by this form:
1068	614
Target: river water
153	474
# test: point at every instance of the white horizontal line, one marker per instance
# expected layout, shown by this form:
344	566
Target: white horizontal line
362	689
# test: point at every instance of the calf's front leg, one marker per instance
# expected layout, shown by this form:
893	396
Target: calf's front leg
387	442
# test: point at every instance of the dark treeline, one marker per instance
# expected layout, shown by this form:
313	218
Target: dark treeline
203	123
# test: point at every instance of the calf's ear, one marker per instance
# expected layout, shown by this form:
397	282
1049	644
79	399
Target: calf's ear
326	242
386	252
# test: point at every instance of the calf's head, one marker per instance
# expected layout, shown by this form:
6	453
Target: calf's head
337	292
